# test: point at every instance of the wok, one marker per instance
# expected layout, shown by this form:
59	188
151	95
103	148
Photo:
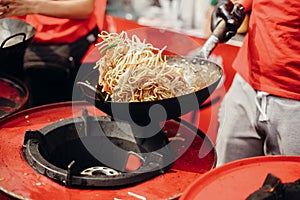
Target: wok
142	113
15	36
14	32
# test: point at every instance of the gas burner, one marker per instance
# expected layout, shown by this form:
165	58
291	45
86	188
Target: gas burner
193	151
95	151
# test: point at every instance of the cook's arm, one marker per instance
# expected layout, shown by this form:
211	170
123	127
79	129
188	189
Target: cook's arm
75	9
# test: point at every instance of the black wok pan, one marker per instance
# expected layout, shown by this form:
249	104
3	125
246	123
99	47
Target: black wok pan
143	113
15	36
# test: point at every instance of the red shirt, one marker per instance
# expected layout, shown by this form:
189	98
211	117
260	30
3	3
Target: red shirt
269	58
56	30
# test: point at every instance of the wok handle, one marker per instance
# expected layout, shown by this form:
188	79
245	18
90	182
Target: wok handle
212	41
12	36
220	30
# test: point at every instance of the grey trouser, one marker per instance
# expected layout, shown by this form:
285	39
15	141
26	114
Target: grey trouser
253	123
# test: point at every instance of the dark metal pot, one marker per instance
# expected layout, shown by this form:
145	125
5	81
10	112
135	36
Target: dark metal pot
15	36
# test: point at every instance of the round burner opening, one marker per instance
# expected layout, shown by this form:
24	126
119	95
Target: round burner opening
78	150
90	152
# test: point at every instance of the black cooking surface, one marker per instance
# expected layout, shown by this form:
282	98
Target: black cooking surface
95	152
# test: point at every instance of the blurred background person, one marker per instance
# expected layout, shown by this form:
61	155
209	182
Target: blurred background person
260	112
65	30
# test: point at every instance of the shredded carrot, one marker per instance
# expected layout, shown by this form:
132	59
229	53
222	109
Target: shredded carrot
106	89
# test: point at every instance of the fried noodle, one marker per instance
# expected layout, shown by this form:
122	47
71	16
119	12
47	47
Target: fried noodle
134	71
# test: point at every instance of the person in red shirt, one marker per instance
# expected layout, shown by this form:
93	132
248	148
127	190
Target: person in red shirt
260	112
65	30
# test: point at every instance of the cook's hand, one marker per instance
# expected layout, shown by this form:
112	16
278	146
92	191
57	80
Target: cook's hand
233	14
72	9
3	8
10	8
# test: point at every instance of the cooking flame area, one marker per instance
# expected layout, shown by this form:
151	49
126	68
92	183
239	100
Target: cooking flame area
93	151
